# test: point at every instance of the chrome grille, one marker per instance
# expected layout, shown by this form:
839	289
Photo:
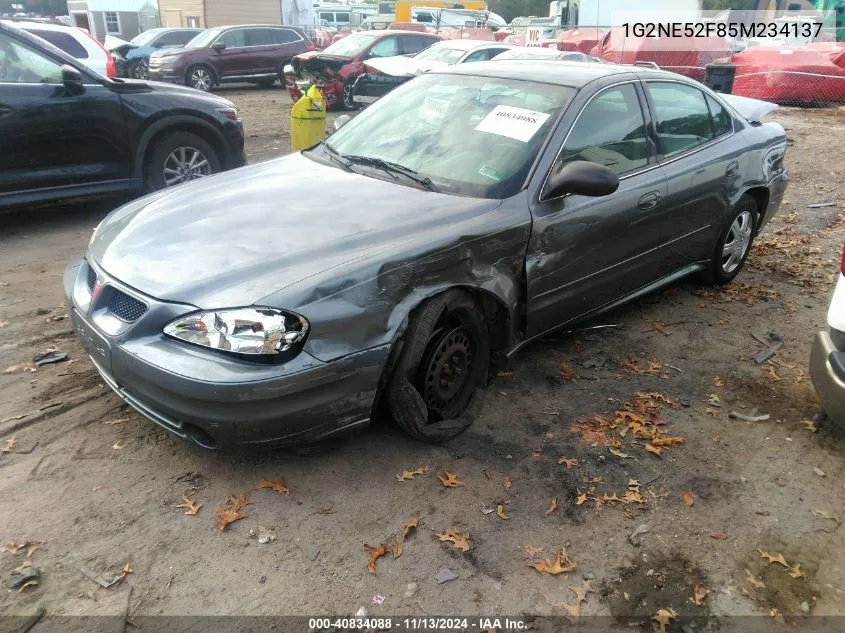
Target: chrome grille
92	278
125	307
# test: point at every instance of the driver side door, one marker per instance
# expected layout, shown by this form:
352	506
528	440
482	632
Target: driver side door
585	253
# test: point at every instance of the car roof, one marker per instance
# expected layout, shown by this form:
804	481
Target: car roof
44	26
565	73
254	26
37	42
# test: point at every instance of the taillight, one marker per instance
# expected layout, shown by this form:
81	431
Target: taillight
311	47
111	70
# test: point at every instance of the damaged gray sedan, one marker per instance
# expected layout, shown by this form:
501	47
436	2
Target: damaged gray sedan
389	268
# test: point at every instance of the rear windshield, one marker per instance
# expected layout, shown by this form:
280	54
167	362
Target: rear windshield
63	41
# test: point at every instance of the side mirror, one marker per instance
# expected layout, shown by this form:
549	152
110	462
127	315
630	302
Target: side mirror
340	121
72	80
219	46
582	178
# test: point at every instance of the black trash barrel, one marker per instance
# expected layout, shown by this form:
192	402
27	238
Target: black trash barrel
720	77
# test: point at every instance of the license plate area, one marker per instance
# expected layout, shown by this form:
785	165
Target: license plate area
94	343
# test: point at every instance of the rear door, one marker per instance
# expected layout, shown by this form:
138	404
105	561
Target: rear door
234	60
51	138
585	253
701	155
264	45
413	44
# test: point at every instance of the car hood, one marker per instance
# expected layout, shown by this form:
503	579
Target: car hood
315	62
235	238
160	87
399	66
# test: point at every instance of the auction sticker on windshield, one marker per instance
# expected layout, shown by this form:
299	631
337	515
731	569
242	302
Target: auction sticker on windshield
513	122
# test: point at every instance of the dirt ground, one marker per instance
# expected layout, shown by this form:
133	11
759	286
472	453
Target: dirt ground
88	483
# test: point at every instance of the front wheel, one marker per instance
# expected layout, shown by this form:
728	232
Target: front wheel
138	69
200	77
348	102
439	380
734	243
180	157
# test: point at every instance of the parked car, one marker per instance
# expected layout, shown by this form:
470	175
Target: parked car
76	42
132	58
538	52
827	359
383	75
250	53
67	132
470	211
335	69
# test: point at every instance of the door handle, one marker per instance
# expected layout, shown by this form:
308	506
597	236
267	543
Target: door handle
732	170
649	200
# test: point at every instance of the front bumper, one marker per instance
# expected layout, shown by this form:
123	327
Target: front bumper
171	75
209	399
827	369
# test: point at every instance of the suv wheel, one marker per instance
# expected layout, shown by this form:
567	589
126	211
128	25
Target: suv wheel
180	157
138	69
200	77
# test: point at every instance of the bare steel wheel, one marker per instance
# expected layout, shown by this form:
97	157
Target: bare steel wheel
184	164
436	387
446	372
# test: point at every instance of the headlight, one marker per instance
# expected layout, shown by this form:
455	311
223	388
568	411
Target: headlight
257	333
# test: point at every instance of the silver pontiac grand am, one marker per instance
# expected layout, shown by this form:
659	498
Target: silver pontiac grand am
390	267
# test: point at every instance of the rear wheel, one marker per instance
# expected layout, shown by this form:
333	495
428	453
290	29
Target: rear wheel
438	383
200	77
138	69
180	157
734	244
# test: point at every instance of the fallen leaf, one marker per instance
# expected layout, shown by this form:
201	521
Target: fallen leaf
396	547
771	374
808	424
20	368
711	411
581	499
32	547
713	400
504	374
662	618
532	551
652	449
699	593
500	510
829	516
410	474
27	585
554	506
662	329
569	462
118	421
506	483
719	536
118	445
189	504
560	564
688	499
573	611
127	569
667	441
459	540
278	486
409	525
613	451
566	371
375	553
3	324
795	572
16	548
230	510
774	559
718	381
450	480
752	580
10	445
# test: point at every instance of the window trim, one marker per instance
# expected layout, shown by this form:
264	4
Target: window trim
661	158
119	30
242	28
647	120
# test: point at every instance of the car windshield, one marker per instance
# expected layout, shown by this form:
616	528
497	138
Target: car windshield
351	45
145	38
443	54
204	39
472	136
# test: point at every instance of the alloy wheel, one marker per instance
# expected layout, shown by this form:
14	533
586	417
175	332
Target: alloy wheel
184	164
737	242
347	97
140	70
201	79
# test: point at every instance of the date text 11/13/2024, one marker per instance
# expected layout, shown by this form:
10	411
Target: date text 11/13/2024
458	625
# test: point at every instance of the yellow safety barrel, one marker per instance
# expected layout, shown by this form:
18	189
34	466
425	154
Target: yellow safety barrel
308	120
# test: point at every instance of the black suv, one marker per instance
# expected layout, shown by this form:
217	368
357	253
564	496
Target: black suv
67	132
255	53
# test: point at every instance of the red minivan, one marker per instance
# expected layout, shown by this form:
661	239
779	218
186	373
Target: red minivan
335	69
